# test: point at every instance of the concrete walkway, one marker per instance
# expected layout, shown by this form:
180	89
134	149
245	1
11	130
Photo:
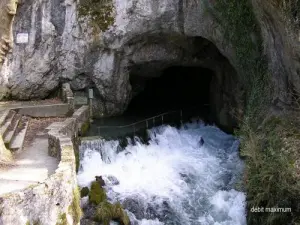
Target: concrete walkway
31	165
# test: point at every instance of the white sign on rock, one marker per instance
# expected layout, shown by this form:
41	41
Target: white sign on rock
22	38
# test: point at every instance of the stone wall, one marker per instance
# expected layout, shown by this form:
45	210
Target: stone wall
5	154
55	201
67	96
52	110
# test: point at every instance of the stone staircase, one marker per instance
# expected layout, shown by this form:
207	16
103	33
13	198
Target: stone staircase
13	127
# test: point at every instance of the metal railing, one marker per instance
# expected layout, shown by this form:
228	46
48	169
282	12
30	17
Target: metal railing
147	123
170	117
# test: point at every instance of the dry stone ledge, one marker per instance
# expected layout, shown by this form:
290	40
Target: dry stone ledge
55	201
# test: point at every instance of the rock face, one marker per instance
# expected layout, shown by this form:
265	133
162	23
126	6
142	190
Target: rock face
280	25
146	37
8	10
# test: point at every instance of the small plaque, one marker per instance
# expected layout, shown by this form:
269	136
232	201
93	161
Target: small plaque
22	38
91	93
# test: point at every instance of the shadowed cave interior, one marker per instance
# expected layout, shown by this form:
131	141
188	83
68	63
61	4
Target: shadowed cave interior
178	87
191	75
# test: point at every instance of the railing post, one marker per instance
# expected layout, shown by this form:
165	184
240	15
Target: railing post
181	117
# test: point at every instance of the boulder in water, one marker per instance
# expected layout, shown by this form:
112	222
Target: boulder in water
97	193
84	202
106	212
201	141
88	222
134	206
100	180
84	192
111	181
163	212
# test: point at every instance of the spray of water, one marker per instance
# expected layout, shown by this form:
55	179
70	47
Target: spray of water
174	179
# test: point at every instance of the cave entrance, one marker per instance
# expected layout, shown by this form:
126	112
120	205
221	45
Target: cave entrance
172	73
177	88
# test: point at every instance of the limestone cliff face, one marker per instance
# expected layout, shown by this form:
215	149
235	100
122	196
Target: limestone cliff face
280	25
8	10
63	48
146	37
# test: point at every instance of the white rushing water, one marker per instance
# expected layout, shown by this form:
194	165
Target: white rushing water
172	180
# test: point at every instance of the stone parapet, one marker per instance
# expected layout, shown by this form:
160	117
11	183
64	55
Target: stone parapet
55	201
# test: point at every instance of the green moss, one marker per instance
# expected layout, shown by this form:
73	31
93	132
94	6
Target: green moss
77	159
36	222
62	220
120	215
74	208
99	12
84	192
241	30
84	128
106	212
97	193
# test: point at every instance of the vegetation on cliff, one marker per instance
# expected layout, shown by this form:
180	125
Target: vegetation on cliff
290	11
268	143
100	13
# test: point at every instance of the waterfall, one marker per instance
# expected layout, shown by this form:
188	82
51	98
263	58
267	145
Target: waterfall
174	179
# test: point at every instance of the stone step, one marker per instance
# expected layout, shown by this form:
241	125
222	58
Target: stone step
5	127
12	130
4	115
18	139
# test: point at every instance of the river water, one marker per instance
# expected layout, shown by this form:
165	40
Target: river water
172	180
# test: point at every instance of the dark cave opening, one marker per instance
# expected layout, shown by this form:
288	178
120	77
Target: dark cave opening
171	74
177	88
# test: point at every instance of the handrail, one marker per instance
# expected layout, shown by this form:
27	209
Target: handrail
144	120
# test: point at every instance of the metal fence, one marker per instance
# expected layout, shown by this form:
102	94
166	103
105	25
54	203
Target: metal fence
170	117
175	117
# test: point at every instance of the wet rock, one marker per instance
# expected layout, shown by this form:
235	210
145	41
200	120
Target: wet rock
134	206
163	212
88	222
100	180
188	178
201	142
107	212
111	181
89	211
84	192
84	202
